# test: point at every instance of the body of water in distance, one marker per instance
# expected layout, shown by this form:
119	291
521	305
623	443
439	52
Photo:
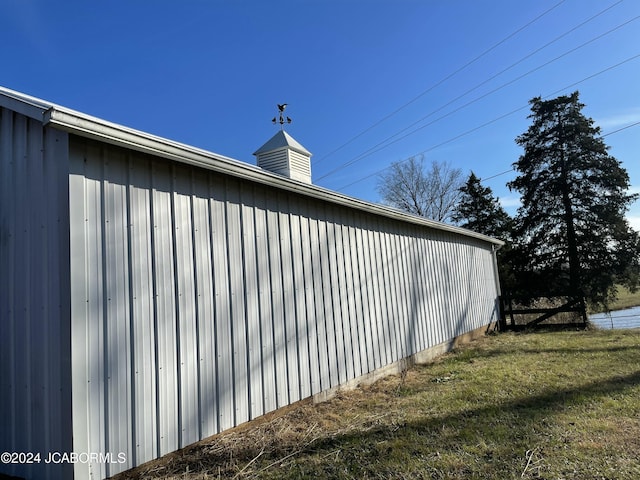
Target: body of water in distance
627	318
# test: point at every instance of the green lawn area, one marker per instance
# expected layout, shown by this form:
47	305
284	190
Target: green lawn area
562	405
626	299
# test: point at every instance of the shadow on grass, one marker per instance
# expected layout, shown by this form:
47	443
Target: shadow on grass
569	350
490	439
493	433
477	353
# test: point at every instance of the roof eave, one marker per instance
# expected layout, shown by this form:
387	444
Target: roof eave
98	129
23	104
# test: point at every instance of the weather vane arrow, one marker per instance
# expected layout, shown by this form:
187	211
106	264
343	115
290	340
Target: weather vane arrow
281	119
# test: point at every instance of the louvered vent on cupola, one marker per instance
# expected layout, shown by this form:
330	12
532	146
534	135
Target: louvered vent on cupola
284	156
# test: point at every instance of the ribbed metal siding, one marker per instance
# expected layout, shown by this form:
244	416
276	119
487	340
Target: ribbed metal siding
35	393
200	302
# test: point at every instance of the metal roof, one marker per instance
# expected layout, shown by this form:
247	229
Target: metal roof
85	125
282	140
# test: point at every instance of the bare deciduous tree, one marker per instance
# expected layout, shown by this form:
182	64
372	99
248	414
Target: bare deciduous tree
432	191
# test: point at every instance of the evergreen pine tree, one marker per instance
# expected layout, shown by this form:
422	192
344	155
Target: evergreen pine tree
572	233
480	211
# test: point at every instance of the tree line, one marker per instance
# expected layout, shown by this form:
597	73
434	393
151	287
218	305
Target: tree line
569	236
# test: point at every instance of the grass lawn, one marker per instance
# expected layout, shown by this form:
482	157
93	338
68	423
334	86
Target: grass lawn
625	299
510	406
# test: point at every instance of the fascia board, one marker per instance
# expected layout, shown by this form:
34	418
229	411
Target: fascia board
91	127
23	104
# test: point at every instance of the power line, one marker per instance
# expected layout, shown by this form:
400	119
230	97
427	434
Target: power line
497	175
386	143
620	129
448	77
497	75
467	132
506	171
433	147
605	135
375	149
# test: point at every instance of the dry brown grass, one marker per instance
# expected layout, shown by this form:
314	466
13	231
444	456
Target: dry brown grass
279	436
544	405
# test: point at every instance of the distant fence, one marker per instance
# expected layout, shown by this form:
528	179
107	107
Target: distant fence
628	318
520	313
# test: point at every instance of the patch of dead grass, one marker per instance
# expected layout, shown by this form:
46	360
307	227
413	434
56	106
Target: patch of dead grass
545	405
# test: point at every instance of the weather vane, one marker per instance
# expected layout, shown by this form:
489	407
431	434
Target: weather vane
282	119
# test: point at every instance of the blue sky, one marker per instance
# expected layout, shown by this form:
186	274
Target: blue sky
447	79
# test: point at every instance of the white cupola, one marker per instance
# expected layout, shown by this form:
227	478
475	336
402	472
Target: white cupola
284	155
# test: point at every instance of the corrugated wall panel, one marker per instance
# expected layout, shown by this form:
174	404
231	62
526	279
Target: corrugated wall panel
409	288
251	289
143	339
443	288
56	364
206	304
424	295
116	308
349	249
299	297
419	296
267	353
223	332
165	309
237	303
434	279
389	303
186	313
385	304
309	320
318	330
337	292
364	286
413	300
213	301
354	281
394	244
376	295
35	348
341	299
326	317
278	315
289	349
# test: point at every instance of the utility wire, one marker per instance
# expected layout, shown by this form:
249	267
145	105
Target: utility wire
386	143
497	175
448	77
467	132
604	135
620	129
433	147
374	148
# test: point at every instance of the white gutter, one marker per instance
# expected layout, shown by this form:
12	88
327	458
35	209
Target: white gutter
91	127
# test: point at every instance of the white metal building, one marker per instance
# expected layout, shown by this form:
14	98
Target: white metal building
153	294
